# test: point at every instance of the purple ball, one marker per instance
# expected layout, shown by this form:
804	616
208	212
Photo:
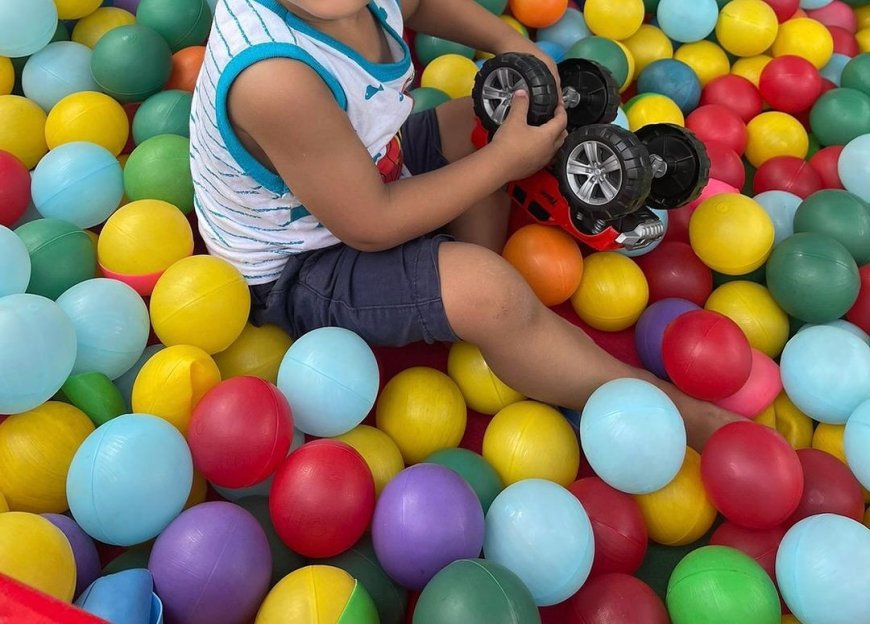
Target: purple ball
211	565
650	330
426	518
84	550
127	5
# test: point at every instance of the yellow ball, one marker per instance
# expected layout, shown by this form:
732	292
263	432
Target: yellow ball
172	382
829	438
706	59
88	116
731	233
862	16
806	38
4	506
7	76
755	311
36	553
789	619
89	30
867	518
380	453
652	108
22	129
451	73
530	440
773	134
746	27
201	301
679	513
863	39
750	68
614	19
613	292
482	390
257	352
317	594
198	490
515	24
795	426
647	45
36	449
141	240
75	9
423	411
632	66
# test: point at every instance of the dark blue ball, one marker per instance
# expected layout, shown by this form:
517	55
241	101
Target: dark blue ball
673	79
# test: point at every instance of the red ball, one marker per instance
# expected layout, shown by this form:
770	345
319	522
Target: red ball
717	123
784	9
678	225
760	544
825	163
836	13
859	313
790	84
787	173
735	93
673	270
614	599
706	355
752	475
322	499
131	109
829	487
617	525
844	41
240	431
14	189
726	164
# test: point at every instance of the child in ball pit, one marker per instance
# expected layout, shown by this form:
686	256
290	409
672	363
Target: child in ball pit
341	208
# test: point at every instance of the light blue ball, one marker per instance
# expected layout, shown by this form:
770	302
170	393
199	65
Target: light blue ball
633	436
822	570
826	372
125	382
263	487
58	70
833	69
635	253
37	351
26	27
621	119
129	479
854	166
111	323
857	443
843	324
673	79
552	49
125	597
330	377
570	29
14	263
79	182
540	531
687	21
814	4
781	207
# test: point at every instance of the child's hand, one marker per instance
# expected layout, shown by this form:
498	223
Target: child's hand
526	149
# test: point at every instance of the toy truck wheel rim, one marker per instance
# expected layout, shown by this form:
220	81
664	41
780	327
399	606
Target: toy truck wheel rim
498	89
594	172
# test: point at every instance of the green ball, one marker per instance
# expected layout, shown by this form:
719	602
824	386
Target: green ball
605	52
813	147
131	62
496	7
660	561
813	277
856	74
721	585
650	6
840	115
167	112
130	559
361	563
159	168
61	256
284	560
476	590
182	23
757	276
427	97
476	471
428	48
840	215
95	395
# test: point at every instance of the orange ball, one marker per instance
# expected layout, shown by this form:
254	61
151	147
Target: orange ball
186	64
548	259
538	13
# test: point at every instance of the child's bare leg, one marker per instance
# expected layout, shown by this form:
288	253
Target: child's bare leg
534	350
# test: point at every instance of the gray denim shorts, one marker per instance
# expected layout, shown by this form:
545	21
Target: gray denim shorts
389	298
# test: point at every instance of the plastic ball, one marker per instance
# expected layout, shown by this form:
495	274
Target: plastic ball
58	70
203	553
773	134
182	23
708	60
835	13
833	71
647	45
650	330
612	293
22	129
652	108
735	93
603	51
806	38
731	233
380	453
186	65
159	168
715	123
614	20
53	572
257	352
746	27
840	115
674	271
761	545
673	79
840	215
14	264
859	313
117	492
683	23
790	84
726	164
476	471
88	116
613	598
570	29
7	76
863	39
482	390
856	74
538	13
825	163
427	97
61	255
131	62
429	47
780	206
725	585
821	569
316	594
548	259
751	68
91	28
201	301
829	487
84	550
854	167
855	439
759	391
24	32
451	73
75	9
14	189
755	311
787	173
421	409
830	439
167	112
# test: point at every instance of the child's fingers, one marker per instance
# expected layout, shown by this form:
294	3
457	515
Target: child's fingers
519	105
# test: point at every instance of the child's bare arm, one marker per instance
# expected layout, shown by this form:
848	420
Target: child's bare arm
293	117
